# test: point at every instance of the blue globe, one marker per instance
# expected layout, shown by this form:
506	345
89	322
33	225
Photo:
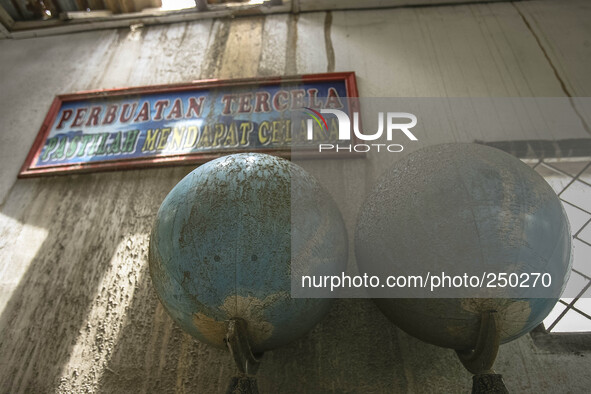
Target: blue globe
465	207
224	243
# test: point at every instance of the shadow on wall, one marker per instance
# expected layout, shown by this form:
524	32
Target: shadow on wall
153	355
342	354
88	219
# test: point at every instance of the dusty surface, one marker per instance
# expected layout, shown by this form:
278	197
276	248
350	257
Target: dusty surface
77	310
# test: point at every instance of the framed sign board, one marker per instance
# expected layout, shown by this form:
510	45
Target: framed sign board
186	123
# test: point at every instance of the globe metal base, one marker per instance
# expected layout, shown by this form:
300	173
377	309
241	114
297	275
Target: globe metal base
243	384
489	383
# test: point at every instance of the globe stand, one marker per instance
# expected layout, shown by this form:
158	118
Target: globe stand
480	360
488	383
237	340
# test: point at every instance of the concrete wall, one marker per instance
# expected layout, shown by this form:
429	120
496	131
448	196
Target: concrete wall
77	309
